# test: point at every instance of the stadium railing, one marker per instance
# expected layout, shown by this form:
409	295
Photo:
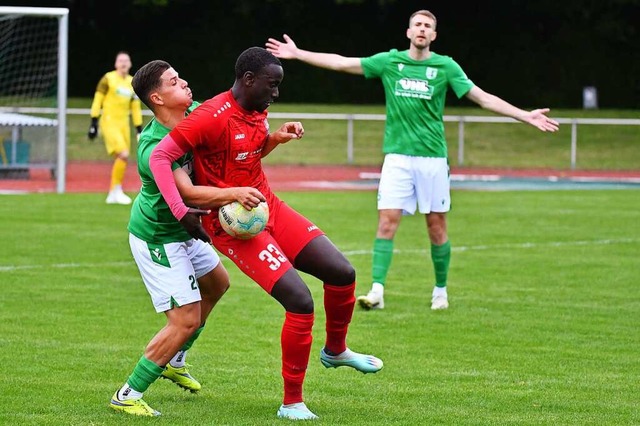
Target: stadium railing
351	118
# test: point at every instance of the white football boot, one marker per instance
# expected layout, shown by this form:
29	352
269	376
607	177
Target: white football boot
117	196
439	299
374	299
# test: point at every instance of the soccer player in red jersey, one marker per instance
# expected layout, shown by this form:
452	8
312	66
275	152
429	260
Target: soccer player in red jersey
229	135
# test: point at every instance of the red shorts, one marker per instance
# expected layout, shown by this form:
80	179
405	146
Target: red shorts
267	256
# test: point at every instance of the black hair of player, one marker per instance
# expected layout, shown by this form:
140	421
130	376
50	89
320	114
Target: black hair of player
147	79
254	59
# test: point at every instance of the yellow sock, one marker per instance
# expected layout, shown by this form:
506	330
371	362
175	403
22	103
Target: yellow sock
117	172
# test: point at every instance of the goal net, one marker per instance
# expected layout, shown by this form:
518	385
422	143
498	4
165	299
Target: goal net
33	91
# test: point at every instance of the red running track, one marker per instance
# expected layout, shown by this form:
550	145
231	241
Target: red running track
94	177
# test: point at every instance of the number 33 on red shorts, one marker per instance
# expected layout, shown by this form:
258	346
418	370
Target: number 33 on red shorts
266	257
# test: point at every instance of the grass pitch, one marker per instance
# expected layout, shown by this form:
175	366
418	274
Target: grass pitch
542	329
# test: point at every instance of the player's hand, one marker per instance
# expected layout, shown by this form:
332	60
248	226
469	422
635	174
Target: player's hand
249	197
286	132
286	50
537	118
93	129
193	226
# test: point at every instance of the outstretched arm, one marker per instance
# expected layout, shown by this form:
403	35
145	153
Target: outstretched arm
537	118
289	50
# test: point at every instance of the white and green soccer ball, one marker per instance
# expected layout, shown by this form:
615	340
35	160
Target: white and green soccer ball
242	223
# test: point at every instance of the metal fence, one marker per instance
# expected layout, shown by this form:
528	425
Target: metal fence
351	118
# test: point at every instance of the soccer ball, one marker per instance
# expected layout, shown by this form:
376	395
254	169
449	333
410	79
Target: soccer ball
242	223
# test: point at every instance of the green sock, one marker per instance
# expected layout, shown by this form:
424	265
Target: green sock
441	255
382	253
187	345
145	373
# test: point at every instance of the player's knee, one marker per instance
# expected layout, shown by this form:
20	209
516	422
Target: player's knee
186	320
349	274
299	305
387	228
292	293
298	301
191	324
344	274
437	233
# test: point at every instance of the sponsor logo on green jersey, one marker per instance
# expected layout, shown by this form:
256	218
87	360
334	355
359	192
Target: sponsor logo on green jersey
413	88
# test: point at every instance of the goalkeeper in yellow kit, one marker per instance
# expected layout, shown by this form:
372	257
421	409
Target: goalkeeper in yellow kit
116	100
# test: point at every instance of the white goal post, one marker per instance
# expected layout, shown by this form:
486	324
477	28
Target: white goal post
20	91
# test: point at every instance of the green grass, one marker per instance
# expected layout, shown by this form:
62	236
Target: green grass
542	327
486	145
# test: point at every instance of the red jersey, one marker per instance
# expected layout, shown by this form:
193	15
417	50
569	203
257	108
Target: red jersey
227	142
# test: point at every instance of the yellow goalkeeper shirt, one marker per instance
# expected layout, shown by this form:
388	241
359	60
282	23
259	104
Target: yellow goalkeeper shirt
116	98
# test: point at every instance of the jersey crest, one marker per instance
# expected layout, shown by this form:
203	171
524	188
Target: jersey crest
431	73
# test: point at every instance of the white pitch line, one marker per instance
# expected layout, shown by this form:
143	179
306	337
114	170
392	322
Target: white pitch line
11	268
508	246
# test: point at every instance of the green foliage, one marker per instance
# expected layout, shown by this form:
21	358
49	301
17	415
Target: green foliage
542	327
161	3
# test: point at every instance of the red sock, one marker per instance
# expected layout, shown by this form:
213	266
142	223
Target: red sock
296	346
338	305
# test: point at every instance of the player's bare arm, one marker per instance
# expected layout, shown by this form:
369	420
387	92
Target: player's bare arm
537	117
286	132
332	61
207	197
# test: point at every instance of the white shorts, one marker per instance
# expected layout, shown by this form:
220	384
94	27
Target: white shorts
170	271
407	180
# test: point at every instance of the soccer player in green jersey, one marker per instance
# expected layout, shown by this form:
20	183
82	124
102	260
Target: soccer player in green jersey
415	169
183	275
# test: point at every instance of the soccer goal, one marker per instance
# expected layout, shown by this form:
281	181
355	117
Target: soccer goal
33	91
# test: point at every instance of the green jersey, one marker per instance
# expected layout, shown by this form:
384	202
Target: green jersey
151	219
415	93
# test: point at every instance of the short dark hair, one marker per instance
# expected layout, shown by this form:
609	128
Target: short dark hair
147	79
254	59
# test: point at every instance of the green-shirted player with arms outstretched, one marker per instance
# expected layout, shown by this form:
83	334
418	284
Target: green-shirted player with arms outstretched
415	169
183	275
